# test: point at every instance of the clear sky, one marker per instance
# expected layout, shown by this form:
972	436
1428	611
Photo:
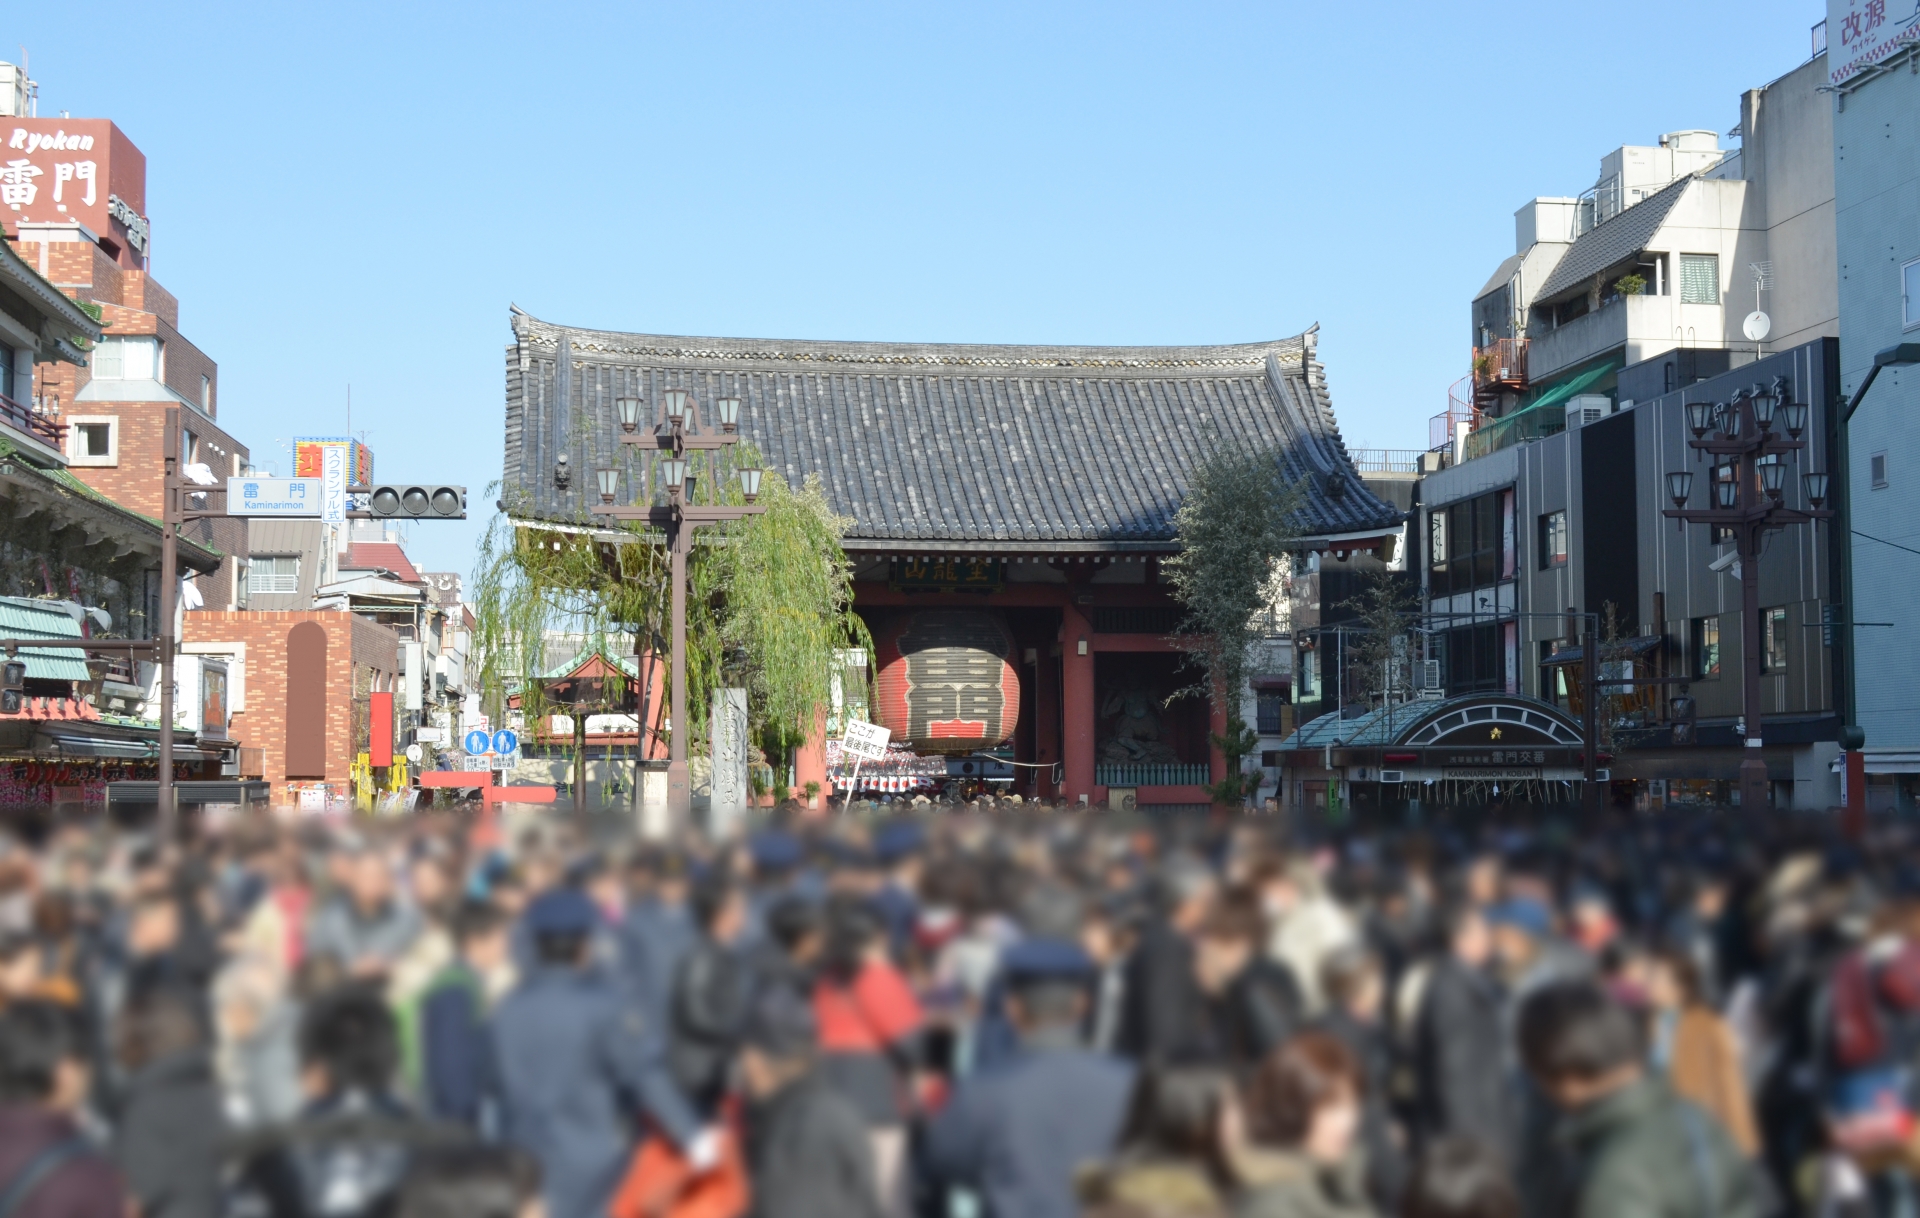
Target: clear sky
352	193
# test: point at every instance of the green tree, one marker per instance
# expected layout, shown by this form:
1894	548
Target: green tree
769	605
1235	523
1379	663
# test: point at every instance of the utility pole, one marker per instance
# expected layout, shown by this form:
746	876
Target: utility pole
169	567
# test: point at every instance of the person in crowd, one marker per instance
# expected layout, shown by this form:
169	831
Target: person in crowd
1303	1116
1175	1149
456	1051
1459	1047
658	931
870	1026
577	1063
1161	1003
711	993
346	1153
1250	1002
795	939
470	1182
1634	1148
1459	1178
168	1132
1692	1045
1307	923
368	926
807	1148
1354	988
897	851
1016	1136
49	1168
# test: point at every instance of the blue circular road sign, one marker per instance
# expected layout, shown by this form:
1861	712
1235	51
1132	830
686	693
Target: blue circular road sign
478	741
504	741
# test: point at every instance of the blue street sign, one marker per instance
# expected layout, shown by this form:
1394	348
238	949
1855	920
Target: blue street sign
504	741
273	497
478	741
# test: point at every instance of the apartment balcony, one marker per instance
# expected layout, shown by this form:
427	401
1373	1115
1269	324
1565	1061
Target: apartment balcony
41	432
1644	325
1499	367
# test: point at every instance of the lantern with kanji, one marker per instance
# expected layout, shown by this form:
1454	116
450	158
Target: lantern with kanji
946	681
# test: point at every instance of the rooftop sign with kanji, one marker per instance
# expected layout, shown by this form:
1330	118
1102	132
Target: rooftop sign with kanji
1862	34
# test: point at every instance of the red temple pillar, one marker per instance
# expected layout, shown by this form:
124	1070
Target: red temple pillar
810	763
1077	710
1046	720
1216	726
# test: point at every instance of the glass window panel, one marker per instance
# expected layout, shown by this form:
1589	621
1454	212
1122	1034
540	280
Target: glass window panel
1699	279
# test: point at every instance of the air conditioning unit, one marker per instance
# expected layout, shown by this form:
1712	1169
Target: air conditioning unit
1587	408
1428	682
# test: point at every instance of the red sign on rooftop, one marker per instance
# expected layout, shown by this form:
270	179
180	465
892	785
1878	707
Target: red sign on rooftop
59	170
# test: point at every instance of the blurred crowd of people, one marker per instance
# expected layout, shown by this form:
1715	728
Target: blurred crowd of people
971	1013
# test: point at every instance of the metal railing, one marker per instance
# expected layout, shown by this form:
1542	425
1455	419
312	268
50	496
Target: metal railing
1150	775
1387	460
1501	364
39	426
1460	409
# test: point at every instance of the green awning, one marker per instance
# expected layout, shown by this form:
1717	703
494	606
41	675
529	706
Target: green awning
21	618
1578	383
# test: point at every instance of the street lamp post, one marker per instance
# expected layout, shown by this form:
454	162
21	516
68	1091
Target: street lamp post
677	432
1749	491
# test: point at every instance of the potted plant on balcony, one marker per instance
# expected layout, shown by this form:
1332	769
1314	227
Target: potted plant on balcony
1631	284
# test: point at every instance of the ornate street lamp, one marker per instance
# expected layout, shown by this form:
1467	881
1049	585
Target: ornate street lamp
1773	479
629	411
677	433
1749	457
1700	418
1680	489
609	482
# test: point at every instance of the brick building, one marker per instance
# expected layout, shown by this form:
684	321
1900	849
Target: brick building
278	717
114	408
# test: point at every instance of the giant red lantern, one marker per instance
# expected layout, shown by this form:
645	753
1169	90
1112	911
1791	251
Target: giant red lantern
946	681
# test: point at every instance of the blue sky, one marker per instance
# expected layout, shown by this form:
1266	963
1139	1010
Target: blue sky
353	193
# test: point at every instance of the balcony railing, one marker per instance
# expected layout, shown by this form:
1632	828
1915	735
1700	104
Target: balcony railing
1150	775
1460	409
39	426
1500	365
1386	460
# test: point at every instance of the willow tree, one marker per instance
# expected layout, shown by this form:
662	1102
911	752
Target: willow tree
1233	526
769	606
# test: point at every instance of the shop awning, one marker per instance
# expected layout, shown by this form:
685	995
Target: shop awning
1557	394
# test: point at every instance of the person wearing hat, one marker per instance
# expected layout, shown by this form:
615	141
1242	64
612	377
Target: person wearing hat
1016	1135
658	930
575	1058
807	1148
896	848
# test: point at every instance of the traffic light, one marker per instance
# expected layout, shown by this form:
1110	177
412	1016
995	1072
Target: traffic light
423	502
13	681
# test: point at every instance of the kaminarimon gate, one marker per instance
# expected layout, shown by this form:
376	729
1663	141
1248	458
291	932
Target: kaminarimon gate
1011	507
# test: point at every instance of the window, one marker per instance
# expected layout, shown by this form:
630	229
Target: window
126	359
189	447
206	393
1553	540
1268	713
1774	624
1877	467
6	373
1706	647
1910	294
1699	279
93	440
275	574
1472	544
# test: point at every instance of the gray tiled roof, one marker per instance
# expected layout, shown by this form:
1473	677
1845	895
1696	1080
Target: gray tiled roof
999	447
1613	242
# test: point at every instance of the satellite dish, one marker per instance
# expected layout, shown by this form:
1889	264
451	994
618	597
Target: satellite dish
1756	326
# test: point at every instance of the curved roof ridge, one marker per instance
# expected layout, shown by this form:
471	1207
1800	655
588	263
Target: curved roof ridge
533	330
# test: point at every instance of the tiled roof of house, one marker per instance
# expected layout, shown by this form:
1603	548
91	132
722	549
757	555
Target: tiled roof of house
379	556
1612	243
991	447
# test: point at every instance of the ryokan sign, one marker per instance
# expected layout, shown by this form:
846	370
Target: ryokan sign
84	169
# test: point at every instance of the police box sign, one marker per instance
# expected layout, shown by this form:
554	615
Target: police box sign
273	496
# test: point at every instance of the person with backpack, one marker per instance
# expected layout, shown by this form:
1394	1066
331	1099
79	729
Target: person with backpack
48	1168
1629	1147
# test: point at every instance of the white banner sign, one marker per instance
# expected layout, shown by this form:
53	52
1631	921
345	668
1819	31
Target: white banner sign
1862	33
867	741
333	474
273	496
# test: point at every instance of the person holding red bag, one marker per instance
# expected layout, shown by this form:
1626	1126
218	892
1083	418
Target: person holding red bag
869	1027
